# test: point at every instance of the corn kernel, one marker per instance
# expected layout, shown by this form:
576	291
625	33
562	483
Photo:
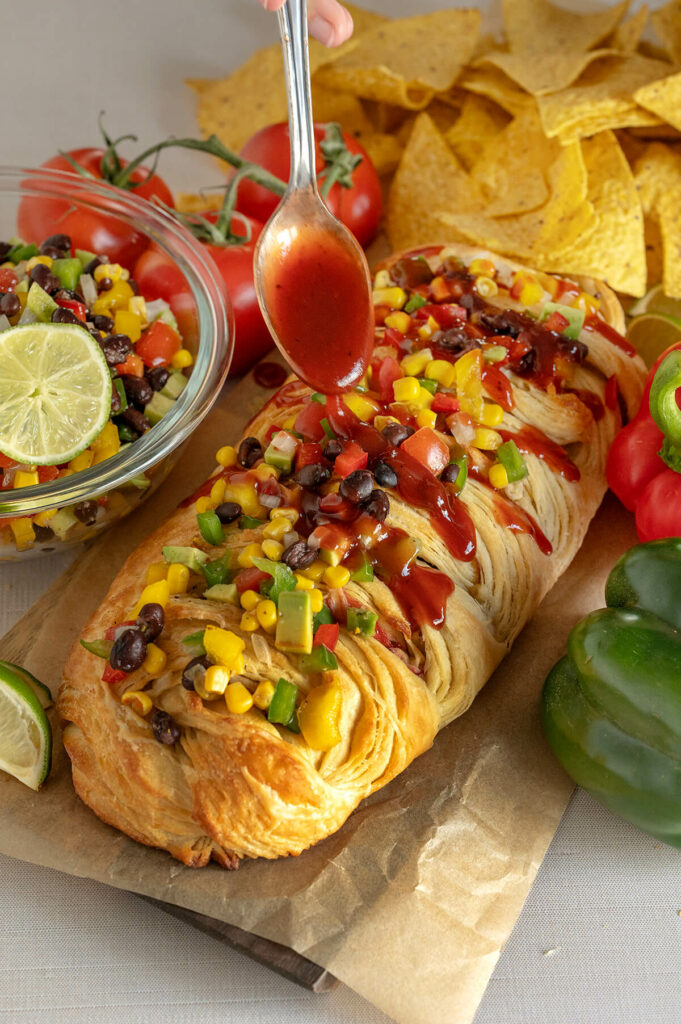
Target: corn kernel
244	494
43	518
492	414
428	329
276	528
137	701
238	699
26	478
265	472
336	576
398	321
217	491
488	440
82	461
588	303
426	418
178	578
238	665
272	549
486	287
216	679
249	623
315	571
266	614
155	660
204	503
393	297
110	270
416	362
498	477
155	572
316	600
482	266
23	533
181	359
223	646
36	260
363	407
246	556
264	691
442	371
423	400
382	279
303	583
291	514
226	455
249	599
153	593
128	323
406	389
531	293
138	305
289	423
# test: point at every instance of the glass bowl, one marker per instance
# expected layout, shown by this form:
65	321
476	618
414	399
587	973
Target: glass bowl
207	331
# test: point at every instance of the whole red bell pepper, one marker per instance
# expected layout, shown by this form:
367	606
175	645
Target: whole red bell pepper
644	462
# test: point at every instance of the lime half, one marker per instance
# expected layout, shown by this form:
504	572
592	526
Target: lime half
652	333
655	301
25	733
41	691
55	392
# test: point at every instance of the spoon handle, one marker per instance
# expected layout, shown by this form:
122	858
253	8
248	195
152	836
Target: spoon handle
293	30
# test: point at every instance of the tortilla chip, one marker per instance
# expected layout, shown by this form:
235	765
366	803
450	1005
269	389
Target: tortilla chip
614	248
627	35
509	181
384	150
667	25
537	26
658	179
478	123
492	83
601	99
663	98
406	62
654	256
544	71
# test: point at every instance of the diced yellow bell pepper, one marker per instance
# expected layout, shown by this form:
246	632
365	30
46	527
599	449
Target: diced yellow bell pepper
319	716
138	305
531	293
247	554
108	438
153	593
128	323
155	660
82	461
23	533
119	296
110	270
26	478
245	494
204	504
381	422
43	518
178	578
222	646
363	407
217	491
589	303
156	571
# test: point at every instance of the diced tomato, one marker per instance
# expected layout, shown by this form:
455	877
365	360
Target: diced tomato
309	421
74	306
444	403
308	454
516	348
556	322
448	314
271	431
6	462
158	344
336	507
47	473
385	374
110	634
332	537
382	637
427	448
351	458
133	366
327	634
8	279
393	337
113	675
250	579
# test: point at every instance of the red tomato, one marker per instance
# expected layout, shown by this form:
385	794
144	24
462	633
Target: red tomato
327	634
632	460
351	458
359	207
308	455
309	421
158	344
37	218
159	278
657	511
250	579
385	375
427	448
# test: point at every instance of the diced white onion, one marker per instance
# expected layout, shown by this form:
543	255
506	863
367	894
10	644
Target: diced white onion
270	500
27	317
463	433
261	649
284	442
290	538
88	288
4	323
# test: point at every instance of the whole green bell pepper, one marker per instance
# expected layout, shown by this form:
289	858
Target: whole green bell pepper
611	709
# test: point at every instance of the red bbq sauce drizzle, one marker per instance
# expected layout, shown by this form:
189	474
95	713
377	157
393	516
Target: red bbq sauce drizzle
269	375
421	592
590	400
594	323
513	517
534	442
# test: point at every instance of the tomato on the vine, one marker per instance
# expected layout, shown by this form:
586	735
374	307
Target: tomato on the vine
159	278
358	207
39	217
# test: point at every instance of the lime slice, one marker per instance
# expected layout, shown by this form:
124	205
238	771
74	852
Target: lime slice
655	301
25	733
41	691
652	333
55	392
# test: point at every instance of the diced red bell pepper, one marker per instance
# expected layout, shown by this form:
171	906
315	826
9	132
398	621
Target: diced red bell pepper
447	314
158	344
427	448
47	473
113	675
74	306
308	454
393	337
384	376
250	579
351	458
327	634
444	403
132	367
556	322
309	421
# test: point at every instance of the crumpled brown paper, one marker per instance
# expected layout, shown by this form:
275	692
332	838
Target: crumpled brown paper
411	902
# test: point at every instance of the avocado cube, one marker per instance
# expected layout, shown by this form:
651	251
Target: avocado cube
294	625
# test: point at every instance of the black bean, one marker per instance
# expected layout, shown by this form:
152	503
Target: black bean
158	377
135	419
105	284
151	620
455	340
116	347
357	486
190	668
299	555
138	390
9	304
313	475
411	271
99	338
385	475
396	433
65	316
377	505
129	650
93	264
4	249
450	473
86	511
332	449
103	323
68	293
134	285
49	250
42	533
166	730
250	450
60	242
44	277
228	511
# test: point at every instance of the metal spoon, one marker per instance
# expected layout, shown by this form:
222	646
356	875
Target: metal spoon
311	275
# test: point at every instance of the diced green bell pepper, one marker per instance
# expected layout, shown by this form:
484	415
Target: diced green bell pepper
249	523
20	252
510	458
195	642
317	396
575	317
68	271
210	527
219	571
362	621
428	384
413	303
328	430
120	391
84	257
322	618
283	704
101	648
364	573
321	659
283	578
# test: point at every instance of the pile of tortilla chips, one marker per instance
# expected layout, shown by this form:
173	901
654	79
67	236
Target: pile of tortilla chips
558	144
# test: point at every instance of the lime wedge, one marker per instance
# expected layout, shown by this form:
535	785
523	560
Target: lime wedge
652	333
655	301
41	691
55	392
25	733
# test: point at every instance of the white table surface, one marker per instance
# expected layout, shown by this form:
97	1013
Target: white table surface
599	940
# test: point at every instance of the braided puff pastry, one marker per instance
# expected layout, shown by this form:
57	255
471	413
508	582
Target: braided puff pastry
421	518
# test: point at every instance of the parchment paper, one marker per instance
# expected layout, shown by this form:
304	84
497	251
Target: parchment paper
411	902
